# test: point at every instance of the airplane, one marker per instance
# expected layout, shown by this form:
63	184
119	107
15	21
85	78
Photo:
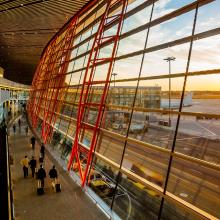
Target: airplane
175	103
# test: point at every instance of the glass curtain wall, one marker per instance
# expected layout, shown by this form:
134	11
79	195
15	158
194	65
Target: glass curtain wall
157	151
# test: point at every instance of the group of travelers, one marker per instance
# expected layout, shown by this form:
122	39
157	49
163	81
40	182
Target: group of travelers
32	163
39	173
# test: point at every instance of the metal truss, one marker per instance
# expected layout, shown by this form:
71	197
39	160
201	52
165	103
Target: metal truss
51	91
55	90
42	87
34	98
85	103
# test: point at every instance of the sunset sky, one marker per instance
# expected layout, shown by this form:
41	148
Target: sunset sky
205	53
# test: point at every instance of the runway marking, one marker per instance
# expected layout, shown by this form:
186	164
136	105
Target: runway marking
188	138
213	134
180	139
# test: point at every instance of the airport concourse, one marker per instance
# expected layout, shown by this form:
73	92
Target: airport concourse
110	109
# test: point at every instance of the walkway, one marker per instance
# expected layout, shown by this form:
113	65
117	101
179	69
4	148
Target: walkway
70	204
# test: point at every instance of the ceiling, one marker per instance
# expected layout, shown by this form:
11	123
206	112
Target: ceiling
26	26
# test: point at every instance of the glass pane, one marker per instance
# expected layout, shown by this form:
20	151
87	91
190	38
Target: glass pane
208	17
136	40
195	138
143	161
173	212
127	68
198	135
110	146
205	94
120	95
153	128
102	182
63	126
156	63
156	127
163	7
196	184
205	54
172	29
136	20
134	3
137	201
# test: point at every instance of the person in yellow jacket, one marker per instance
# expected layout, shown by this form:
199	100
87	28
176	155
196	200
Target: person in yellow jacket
25	163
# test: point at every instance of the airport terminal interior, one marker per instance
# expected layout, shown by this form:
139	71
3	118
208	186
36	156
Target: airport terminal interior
121	97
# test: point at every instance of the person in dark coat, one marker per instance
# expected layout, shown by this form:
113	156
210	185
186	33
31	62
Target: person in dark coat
41	174
33	140
53	173
19	123
42	150
14	128
33	164
26	130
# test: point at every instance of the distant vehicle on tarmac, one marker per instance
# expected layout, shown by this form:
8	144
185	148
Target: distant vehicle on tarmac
119	125
137	127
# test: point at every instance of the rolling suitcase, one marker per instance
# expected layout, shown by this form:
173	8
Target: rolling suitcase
41	159
58	187
40	189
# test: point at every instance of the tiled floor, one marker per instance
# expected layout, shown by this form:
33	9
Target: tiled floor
70	204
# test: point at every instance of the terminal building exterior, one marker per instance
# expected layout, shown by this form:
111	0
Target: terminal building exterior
96	97
146	97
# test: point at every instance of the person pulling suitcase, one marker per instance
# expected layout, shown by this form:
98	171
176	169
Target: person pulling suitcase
41	174
53	173
54	179
40	189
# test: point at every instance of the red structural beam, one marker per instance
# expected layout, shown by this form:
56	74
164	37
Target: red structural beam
49	81
85	102
66	53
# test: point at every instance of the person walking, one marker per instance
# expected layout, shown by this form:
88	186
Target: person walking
33	164
41	174
42	150
19	123
53	173
33	140
26	130
25	162
14	128
54	179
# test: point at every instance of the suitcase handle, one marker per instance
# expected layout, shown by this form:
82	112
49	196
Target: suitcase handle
39	184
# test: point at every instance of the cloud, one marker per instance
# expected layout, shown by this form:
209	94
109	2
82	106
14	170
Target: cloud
205	54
